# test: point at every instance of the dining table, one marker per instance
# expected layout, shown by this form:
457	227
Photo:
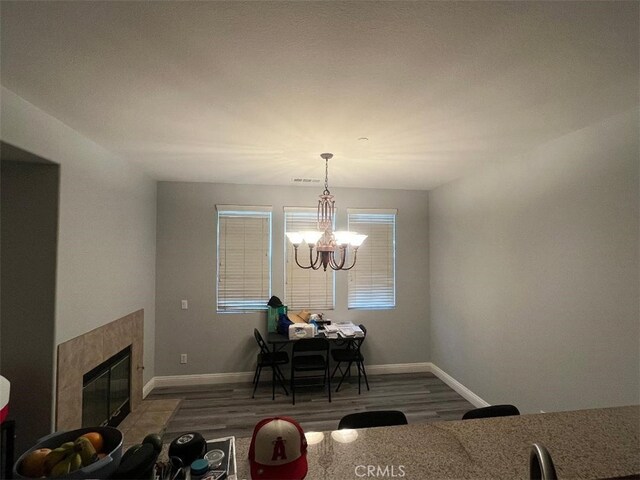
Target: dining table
602	443
278	341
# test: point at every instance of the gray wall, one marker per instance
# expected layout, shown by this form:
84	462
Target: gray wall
221	343
106	238
29	222
534	274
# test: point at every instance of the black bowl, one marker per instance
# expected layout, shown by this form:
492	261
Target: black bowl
102	468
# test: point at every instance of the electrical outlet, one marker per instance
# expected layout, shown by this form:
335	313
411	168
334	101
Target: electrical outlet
185	304
183	358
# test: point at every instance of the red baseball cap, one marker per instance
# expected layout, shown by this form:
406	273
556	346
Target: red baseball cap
278	450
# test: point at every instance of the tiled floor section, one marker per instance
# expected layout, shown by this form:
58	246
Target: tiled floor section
151	416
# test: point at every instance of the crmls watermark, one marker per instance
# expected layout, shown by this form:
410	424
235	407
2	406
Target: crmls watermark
380	471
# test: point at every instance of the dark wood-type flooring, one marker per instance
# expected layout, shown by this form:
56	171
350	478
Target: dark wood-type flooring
228	409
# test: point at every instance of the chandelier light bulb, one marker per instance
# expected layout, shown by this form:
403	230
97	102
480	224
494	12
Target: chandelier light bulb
311	236
295	237
343	238
356	240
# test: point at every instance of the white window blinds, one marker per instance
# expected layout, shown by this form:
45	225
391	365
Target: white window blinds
244	258
311	289
372	282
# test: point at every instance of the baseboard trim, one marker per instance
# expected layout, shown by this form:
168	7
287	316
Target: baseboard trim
240	377
420	367
203	379
463	391
150	385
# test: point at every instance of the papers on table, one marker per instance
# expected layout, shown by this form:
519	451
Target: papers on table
331	331
343	330
349	330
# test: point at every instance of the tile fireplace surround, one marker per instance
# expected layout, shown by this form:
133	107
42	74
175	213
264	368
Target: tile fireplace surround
83	353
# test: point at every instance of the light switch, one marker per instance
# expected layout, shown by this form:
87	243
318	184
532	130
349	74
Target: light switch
185	304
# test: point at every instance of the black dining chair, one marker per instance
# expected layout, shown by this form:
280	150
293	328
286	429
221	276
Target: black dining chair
351	355
491	411
376	418
310	355
271	360
541	465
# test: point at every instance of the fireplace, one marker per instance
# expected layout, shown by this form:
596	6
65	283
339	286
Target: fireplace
106	391
84	354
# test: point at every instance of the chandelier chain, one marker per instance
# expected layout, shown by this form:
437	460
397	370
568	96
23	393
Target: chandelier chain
326	177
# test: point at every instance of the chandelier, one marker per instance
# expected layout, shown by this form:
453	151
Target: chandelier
326	247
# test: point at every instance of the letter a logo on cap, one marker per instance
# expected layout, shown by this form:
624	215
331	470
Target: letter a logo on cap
278	450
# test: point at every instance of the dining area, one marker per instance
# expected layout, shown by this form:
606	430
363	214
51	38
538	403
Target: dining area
311	357
302	350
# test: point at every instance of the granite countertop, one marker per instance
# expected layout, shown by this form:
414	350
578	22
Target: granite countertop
598	443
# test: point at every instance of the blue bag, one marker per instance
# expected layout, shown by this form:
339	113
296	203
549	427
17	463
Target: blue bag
283	324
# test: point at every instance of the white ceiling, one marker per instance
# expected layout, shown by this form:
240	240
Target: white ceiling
253	92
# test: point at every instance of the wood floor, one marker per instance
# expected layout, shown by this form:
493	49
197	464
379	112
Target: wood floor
228	409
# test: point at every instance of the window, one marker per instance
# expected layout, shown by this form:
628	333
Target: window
310	288
244	258
372	282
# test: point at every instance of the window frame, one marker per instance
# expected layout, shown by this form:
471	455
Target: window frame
247	304
390	293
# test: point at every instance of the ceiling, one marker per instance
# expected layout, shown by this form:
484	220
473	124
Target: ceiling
253	92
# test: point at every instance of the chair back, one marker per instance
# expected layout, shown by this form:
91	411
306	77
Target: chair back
354	343
540	463
491	411
311	345
261	343
359	340
379	418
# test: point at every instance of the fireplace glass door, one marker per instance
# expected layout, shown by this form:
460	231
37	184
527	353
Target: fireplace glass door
94	408
119	391
106	391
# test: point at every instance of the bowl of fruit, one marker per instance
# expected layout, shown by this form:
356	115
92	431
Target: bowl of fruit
90	452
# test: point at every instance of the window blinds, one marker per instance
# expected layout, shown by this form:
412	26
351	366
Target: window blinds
311	289
244	258
372	280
